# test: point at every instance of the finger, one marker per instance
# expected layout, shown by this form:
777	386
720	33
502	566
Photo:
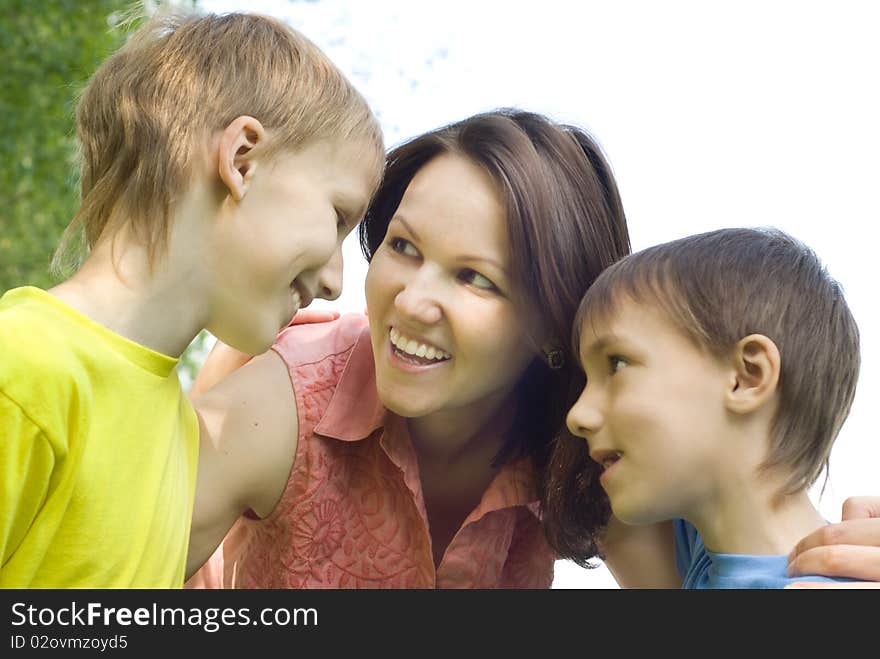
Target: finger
853	561
850	532
306	316
861	507
833	584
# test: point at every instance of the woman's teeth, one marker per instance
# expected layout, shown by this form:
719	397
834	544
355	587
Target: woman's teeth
413	347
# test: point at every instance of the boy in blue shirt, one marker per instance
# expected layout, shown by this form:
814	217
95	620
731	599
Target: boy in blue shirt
719	370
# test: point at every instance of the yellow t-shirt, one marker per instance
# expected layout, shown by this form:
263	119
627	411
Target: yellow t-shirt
98	453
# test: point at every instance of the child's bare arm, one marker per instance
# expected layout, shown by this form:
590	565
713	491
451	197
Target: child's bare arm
248	425
641	556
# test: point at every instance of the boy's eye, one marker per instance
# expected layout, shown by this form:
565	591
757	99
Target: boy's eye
474	278
402	246
616	363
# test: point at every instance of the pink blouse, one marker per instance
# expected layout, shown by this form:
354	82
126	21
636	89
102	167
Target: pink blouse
352	514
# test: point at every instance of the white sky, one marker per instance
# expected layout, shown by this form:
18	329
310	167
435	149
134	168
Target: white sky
711	114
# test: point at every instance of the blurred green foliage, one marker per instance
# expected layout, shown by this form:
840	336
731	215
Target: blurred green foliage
49	48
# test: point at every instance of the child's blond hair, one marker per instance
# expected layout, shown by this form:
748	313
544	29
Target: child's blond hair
149	108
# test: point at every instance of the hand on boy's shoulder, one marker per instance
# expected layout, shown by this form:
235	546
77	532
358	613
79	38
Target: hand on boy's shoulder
224	359
849	548
306	316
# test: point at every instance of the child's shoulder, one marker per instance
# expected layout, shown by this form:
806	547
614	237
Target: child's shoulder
35	346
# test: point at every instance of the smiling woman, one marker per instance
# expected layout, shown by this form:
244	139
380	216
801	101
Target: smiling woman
409	450
423	285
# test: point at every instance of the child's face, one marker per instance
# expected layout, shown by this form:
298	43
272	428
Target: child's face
652	413
282	246
439	286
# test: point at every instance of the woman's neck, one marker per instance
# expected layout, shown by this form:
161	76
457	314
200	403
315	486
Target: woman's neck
473	433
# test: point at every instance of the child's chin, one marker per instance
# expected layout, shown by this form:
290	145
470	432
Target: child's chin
633	515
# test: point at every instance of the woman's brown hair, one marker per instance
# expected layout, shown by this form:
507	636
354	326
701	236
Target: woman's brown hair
565	224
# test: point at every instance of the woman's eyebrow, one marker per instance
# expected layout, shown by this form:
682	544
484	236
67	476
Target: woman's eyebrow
469	258
397	217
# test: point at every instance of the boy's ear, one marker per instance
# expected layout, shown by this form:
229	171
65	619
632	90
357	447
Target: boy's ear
756	366
236	154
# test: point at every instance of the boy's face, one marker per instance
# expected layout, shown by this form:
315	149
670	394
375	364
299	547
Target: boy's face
281	245
653	415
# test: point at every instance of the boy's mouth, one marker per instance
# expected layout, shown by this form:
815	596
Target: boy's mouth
299	296
605	457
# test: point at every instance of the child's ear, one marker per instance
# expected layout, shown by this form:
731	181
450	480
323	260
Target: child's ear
755	377
236	154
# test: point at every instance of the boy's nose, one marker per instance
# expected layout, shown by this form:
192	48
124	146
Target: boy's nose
584	418
330	277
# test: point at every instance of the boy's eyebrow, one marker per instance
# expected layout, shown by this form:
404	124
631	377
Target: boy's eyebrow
600	344
351	206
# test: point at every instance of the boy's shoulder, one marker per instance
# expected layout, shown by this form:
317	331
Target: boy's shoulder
36	349
28	327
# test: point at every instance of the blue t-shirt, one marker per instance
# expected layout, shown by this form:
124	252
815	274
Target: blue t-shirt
702	569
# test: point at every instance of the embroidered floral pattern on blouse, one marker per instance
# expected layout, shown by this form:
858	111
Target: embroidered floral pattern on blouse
352	516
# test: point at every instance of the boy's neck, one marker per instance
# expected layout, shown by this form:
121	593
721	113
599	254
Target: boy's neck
156	308
751	519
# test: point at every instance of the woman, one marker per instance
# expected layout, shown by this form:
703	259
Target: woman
406	450
345	462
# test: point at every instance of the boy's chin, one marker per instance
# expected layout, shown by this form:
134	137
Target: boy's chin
634	515
254	341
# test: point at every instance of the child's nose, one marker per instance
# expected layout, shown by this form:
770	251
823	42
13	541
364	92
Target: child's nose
330	277
584	418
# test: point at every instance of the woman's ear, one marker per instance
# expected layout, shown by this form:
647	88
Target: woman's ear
236	154
755	377
553	355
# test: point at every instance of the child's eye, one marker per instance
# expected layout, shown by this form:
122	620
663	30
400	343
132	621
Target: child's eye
402	246
616	363
474	278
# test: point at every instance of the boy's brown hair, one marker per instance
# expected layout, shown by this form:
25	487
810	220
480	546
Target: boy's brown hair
150	106
719	287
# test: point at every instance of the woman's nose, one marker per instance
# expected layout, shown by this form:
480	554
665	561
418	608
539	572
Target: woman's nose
418	301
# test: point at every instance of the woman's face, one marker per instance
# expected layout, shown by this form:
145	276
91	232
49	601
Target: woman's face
445	333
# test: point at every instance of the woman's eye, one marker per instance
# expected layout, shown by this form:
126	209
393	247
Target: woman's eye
474	278
616	362
402	246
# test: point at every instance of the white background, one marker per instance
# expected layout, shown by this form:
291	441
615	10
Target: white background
712	115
